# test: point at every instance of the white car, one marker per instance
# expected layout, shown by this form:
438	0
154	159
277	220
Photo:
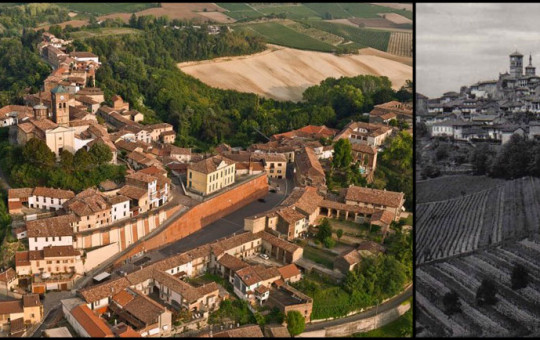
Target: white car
264	256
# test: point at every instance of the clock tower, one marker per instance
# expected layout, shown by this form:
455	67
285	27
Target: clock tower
60	107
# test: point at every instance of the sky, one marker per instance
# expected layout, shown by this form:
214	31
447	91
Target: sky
459	44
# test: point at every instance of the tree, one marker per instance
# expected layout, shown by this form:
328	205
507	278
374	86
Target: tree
66	160
451	303
342	153
339	233
82	160
485	295
100	153
295	322
520	277
37	153
133	20
325	230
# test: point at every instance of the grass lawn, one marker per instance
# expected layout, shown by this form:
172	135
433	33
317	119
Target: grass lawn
329	300
278	34
319	256
239	11
108	8
101	32
402	327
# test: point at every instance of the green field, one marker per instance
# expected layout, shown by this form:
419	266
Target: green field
292	12
101	32
402	327
348	10
239	11
107	8
278	34
365	37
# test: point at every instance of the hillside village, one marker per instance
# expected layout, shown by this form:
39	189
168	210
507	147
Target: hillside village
68	234
489	111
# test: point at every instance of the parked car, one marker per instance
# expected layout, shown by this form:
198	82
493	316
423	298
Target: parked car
264	256
273	191
262	200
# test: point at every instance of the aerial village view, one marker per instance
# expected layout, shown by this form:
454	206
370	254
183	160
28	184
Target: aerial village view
206	169
477	171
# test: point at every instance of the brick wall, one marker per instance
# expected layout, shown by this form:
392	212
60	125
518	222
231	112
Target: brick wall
204	214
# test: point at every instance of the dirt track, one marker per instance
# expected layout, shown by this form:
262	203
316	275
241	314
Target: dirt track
284	73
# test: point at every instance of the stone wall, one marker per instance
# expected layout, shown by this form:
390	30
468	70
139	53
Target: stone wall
204	214
362	325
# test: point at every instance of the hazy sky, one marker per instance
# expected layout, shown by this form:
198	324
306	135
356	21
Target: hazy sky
460	44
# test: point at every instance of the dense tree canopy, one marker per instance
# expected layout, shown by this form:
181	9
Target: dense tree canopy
295	322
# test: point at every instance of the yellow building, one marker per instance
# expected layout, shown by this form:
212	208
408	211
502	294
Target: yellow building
210	175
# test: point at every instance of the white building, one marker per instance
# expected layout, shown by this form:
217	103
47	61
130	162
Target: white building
119	207
53	231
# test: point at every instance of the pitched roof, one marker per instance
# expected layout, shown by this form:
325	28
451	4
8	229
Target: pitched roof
132	192
307	163
209	165
364	148
31	300
253	274
12	306
144	309
288	271
52	226
103	290
92	324
87	202
374	196
247	331
290	215
231	262
8	275
60	251
54	193
20	193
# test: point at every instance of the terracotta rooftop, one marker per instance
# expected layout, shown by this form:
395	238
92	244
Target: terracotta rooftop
382	217
117	199
75	54
231	262
209	165
364	148
374	196
92	324
132	192
253	274
52	226
142	177
103	290
87	202
60	251
54	193
124	331
290	215
31	300
306	199
288	271
8	275
144	309
247	331
15	109
9	307
20	193
309	131
308	164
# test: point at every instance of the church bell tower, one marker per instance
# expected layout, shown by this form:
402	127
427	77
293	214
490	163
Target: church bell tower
60	107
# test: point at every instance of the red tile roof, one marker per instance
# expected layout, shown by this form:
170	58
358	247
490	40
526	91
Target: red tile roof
92	324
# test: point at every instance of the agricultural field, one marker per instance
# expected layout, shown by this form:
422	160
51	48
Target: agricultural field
278	34
239	11
107	8
101	32
314	33
296	11
349	10
400	44
447	187
516	312
486	218
365	37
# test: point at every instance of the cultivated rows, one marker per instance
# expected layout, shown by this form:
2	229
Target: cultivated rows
464	224
516	312
400	44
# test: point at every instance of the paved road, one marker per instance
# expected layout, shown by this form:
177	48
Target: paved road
396	301
228	225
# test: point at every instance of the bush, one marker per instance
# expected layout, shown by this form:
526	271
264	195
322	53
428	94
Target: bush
329	242
295	323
